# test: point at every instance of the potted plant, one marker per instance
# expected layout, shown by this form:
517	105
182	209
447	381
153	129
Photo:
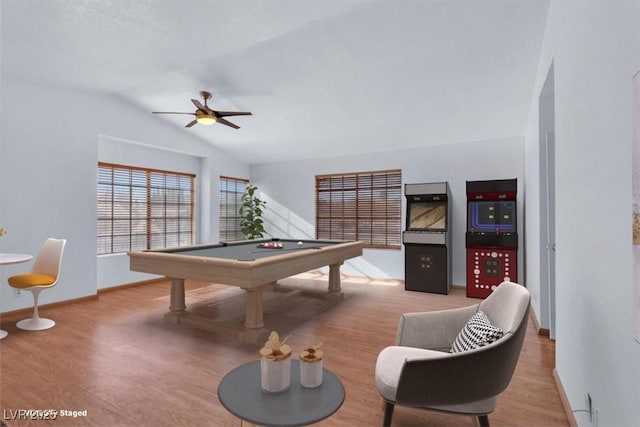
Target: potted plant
250	211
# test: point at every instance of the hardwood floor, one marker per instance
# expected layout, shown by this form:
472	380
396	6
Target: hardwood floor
117	359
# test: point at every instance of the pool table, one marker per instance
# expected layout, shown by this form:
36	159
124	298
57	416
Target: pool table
247	264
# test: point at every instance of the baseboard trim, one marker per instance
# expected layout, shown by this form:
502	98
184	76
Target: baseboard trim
131	285
563	399
29	310
541	331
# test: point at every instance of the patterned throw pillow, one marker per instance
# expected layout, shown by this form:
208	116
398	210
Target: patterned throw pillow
478	332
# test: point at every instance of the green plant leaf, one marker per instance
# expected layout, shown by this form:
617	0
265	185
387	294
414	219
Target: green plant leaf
251	210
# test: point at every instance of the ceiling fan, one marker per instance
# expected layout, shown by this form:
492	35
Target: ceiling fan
206	116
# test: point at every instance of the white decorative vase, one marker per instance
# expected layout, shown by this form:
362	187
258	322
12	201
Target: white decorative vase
275	375
311	373
311	367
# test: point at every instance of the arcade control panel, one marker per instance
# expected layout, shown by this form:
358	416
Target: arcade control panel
488	267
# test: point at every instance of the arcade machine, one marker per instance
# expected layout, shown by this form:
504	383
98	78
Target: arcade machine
427	238
492	239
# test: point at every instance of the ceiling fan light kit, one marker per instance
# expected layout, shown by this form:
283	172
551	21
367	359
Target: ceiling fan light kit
206	116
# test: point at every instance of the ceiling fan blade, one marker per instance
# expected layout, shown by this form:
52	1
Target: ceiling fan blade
228	123
232	113
191	123
199	106
171	112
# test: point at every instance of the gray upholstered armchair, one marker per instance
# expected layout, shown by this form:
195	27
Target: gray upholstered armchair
421	372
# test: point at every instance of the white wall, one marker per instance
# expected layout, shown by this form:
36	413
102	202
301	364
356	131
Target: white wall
595	49
48	180
289	188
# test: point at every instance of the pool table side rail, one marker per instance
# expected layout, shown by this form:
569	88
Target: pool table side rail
231	243
245	274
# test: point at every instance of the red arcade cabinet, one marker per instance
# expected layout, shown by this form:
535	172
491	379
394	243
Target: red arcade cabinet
491	239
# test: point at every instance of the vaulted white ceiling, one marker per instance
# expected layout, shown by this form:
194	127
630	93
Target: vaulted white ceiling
322	78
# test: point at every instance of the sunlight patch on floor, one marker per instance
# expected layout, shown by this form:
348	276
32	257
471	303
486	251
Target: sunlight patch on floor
345	280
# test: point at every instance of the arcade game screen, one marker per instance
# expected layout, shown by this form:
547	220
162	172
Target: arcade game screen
492	216
428	216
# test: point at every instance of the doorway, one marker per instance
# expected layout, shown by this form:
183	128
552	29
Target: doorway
547	152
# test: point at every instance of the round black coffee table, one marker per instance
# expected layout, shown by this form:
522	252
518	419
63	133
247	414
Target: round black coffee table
240	393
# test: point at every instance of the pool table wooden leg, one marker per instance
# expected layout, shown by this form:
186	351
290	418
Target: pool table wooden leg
334	281
254	331
177	306
253	316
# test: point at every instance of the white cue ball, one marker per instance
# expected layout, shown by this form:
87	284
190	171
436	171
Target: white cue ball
300	243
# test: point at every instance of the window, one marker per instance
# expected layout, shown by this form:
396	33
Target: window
141	208
362	206
231	191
